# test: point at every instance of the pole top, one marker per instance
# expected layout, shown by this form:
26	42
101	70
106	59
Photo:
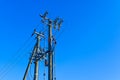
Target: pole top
55	23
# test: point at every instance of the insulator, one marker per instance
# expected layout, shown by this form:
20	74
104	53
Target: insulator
55	42
44	74
55	22
46	62
49	21
44	15
54	26
43	21
54	78
60	23
33	32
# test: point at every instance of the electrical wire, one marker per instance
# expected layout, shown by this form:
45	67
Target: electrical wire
14	55
5	67
31	76
57	37
8	66
11	66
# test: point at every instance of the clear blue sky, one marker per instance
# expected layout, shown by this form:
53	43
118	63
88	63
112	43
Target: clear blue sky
88	49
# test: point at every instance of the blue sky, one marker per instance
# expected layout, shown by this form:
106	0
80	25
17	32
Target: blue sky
87	49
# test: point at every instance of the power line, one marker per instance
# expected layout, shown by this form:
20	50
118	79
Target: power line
14	55
10	67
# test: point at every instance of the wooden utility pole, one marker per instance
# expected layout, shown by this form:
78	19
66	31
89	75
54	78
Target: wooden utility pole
38	54
34	57
50	54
